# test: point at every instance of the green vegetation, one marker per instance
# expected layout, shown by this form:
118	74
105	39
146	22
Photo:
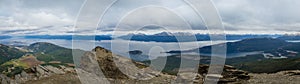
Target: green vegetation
270	65
173	62
10	69
49	52
17	63
16	66
252	63
7	53
248	58
15	71
12	62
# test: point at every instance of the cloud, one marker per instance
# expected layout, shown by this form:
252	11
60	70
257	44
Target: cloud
163	13
20	17
260	15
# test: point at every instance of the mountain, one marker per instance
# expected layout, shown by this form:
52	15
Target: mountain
250	45
166	37
36	63
277	55
14	60
15	66
289	37
173	34
107	62
164	34
101	59
70	37
7	53
48	52
38	74
186	37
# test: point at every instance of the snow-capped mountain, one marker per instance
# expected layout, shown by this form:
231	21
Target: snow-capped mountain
174	34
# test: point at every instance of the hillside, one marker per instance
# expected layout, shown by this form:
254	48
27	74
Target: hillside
15	66
276	55
48	52
42	61
14	60
265	45
7	53
269	65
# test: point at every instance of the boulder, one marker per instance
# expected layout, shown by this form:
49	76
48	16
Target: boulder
229	74
293	72
54	70
18	79
40	70
24	75
4	79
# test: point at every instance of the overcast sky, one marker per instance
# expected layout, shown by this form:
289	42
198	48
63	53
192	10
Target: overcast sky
57	17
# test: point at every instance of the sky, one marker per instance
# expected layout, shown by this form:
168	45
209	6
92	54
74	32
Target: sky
57	17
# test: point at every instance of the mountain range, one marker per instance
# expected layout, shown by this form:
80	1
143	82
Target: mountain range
275	55
266	45
185	37
158	37
290	37
70	37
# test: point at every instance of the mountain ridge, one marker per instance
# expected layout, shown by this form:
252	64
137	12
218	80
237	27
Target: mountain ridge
247	45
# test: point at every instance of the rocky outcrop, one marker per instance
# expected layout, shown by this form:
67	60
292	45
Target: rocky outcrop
36	73
118	69
105	61
283	77
293	72
229	74
4	79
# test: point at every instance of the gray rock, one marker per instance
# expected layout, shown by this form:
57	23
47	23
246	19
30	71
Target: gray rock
18	79
54	70
293	72
4	79
70	70
24	76
40	70
12	81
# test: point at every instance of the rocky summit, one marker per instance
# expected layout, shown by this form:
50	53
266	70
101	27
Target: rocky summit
36	73
118	69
